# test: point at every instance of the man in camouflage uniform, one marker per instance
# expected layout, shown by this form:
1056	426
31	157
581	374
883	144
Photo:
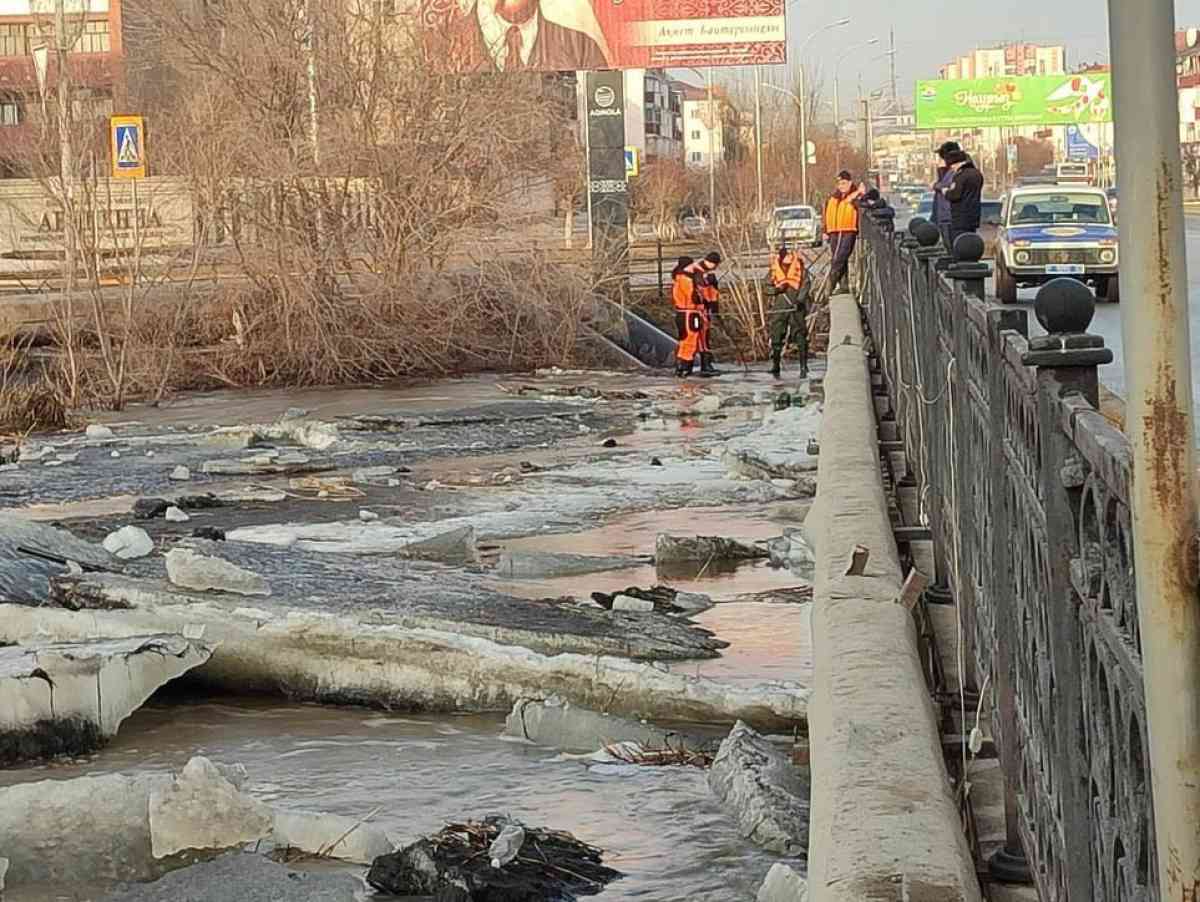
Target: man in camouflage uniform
788	313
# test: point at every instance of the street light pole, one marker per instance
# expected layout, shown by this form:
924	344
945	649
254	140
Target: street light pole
712	152
1159	424
803	100
758	163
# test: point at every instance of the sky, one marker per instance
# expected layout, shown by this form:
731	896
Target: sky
931	32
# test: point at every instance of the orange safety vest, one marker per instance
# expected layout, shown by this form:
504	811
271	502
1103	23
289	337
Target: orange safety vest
683	291
840	215
791	276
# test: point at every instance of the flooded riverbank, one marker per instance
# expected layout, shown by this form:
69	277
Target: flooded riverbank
660	826
584	467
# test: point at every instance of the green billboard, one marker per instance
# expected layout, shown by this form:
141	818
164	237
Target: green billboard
1021	100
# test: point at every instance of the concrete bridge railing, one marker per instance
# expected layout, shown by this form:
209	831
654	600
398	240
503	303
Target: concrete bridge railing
884	820
1025	487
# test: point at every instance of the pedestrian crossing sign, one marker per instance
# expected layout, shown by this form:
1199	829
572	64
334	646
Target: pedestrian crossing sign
128	134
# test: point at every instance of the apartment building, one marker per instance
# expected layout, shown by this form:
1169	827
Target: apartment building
1008	60
710	128
28	70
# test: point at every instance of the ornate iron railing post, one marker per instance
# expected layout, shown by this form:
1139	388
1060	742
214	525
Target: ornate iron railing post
1010	863
1066	360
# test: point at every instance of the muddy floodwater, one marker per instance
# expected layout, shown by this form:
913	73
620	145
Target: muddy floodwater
537	471
662	827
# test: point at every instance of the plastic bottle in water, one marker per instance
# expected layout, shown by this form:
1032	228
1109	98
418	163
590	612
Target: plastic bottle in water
505	847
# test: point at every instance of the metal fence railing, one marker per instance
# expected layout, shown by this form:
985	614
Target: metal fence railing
1025	487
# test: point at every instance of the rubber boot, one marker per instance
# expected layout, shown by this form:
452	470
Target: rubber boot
776	360
707	370
684	368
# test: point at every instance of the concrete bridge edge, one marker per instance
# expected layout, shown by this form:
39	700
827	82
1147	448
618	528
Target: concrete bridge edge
885	824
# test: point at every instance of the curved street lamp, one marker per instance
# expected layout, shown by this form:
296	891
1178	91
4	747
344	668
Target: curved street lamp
804	103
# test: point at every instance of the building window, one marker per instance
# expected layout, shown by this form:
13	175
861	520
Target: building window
10	111
14	40
696	134
95	38
697	156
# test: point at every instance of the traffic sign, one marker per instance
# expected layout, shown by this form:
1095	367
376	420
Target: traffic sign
128	138
812	152
632	162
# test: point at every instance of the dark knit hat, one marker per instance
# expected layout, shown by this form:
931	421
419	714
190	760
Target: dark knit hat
845	175
713	257
948	148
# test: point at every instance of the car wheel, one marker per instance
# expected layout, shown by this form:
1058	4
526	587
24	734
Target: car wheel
1006	285
1110	290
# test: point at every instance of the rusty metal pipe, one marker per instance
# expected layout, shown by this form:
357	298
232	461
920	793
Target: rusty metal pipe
1159	423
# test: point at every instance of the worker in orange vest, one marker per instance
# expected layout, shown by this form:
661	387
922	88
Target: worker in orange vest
710	300
682	290
841	227
691	319
789	308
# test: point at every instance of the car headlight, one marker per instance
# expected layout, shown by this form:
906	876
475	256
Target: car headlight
1022	257
1108	255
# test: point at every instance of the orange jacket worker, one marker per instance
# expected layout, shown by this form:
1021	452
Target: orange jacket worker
841	227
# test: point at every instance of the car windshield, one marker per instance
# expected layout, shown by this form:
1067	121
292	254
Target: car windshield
785	213
989	211
1057	207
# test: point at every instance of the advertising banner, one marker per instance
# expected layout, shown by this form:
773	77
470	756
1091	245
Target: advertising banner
1024	100
565	35
1079	147
608	182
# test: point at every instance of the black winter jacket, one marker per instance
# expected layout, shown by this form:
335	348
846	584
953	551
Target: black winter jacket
965	195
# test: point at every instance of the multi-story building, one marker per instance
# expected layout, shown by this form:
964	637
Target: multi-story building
710	127
653	114
1008	60
97	67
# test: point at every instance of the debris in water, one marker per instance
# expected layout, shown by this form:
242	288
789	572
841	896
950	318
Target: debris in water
655	462
180	474
150	508
665	599
610	443
672	549
456	864
209	532
667	756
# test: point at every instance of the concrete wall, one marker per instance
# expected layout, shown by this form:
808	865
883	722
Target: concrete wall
884	821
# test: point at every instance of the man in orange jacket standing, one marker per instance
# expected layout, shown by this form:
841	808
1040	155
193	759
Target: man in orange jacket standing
841	227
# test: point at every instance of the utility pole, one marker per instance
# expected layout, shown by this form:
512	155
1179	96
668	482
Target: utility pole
892	53
314	126
66	148
712	151
803	138
758	162
1159	424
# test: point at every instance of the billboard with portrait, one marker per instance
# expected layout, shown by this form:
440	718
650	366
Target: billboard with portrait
564	35
1079	99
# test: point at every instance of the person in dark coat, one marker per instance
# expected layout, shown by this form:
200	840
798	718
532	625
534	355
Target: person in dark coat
965	195
514	36
945	177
